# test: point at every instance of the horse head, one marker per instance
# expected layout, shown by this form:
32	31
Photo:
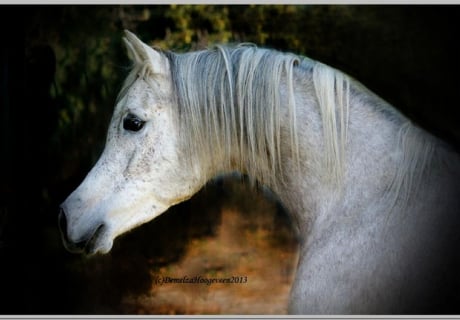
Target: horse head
141	172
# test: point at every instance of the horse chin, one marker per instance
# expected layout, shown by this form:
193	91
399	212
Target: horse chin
100	248
97	242
100	243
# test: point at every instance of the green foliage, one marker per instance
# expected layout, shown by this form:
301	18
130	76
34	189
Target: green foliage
87	78
196	25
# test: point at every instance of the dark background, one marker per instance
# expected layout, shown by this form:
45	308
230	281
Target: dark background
62	66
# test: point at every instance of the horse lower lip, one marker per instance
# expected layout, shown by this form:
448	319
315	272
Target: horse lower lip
72	247
88	246
76	247
91	245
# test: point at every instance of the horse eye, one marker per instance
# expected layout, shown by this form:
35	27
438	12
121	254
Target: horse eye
132	123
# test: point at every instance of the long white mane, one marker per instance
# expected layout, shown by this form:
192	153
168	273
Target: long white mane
229	105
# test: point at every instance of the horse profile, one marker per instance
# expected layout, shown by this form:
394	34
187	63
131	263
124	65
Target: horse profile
374	198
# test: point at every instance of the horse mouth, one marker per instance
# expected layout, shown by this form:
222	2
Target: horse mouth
89	244
93	243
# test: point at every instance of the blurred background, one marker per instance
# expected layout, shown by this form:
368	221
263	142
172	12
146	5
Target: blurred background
61	68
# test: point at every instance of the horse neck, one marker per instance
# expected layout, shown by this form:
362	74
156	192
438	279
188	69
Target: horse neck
371	161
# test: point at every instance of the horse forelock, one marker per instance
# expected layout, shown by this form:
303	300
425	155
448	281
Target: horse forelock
138	70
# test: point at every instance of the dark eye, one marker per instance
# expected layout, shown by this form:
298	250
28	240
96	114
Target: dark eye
133	123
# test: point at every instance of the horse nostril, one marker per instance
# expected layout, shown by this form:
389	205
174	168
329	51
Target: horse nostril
87	243
68	244
62	221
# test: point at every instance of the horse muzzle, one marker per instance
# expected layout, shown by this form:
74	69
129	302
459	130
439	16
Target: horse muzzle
89	243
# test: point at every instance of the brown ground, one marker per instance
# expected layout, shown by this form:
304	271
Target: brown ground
227	230
248	245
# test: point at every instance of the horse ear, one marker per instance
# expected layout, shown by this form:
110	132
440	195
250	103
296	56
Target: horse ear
140	52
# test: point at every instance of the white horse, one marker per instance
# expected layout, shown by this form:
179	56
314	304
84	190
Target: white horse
375	199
